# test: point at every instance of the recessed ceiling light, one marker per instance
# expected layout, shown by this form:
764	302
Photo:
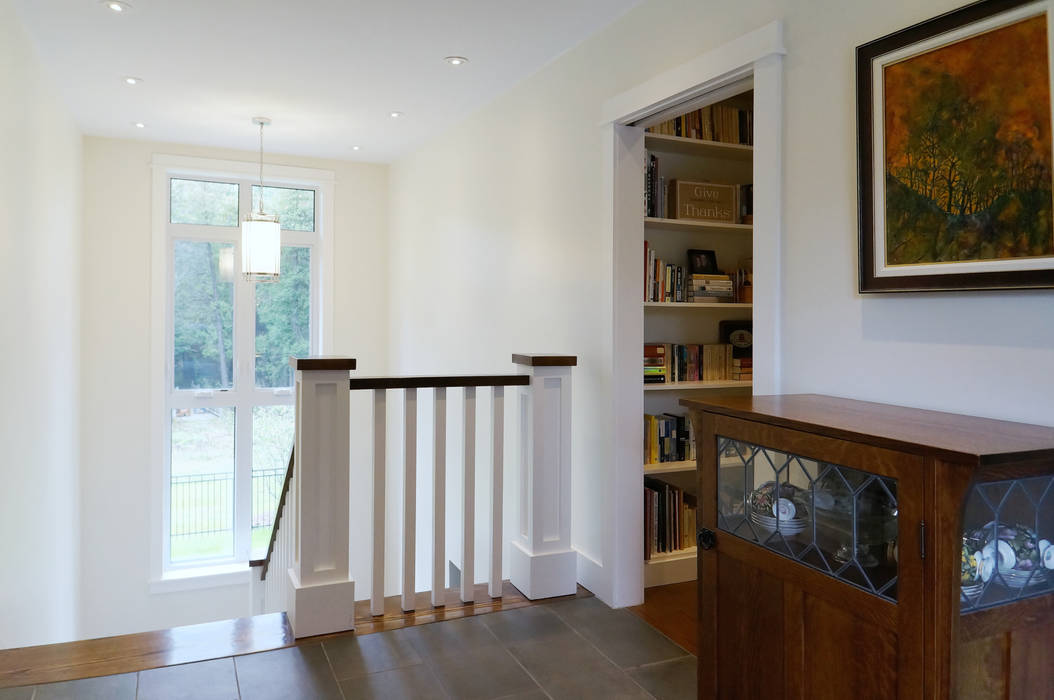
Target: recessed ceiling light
132	80
456	60
140	125
395	115
354	148
116	5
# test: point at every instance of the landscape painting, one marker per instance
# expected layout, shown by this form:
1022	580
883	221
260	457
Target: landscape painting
962	159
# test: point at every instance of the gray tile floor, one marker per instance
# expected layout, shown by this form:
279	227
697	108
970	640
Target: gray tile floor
572	649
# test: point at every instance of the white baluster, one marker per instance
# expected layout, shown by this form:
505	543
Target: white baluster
409	497
497	429
439	499
468	499
379	436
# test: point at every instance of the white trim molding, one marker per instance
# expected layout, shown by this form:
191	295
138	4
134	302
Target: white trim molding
725	64
214	167
757	57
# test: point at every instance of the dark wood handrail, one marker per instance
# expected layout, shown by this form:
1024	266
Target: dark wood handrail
426	382
266	561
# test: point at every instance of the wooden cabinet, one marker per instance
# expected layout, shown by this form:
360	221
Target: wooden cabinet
858	550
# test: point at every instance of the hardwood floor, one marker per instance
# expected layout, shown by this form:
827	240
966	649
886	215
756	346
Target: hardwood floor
673	611
212	640
137	652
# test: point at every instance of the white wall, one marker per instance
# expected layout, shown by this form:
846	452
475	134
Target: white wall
500	242
115	512
40	188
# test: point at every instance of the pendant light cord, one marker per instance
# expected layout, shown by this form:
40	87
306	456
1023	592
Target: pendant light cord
261	210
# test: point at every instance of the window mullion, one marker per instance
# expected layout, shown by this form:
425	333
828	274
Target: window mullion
244	320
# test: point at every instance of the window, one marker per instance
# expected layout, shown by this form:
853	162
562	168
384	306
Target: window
228	414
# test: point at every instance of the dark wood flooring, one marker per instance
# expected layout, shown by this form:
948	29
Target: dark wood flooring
212	640
673	610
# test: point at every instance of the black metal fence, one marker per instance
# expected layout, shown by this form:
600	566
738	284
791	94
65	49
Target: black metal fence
203	504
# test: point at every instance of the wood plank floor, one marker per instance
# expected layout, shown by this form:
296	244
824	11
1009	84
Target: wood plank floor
673	610
212	640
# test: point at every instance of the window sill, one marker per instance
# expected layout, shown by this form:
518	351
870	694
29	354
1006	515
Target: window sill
202	577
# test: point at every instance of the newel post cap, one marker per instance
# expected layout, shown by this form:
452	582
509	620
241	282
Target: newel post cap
328	363
542	360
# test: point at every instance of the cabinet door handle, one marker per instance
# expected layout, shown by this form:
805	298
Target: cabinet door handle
706	539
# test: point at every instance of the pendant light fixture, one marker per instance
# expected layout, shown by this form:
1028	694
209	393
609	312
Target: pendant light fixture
261	234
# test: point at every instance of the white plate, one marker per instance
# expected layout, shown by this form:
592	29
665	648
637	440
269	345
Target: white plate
1019	579
792	527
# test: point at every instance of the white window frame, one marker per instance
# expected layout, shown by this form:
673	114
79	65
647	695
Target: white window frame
166	576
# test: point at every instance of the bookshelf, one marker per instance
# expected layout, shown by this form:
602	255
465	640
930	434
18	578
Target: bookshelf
699	386
656	223
701	148
689	305
687	323
675	567
669	467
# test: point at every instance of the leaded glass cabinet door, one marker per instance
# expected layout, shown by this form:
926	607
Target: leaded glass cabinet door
814	585
1005	585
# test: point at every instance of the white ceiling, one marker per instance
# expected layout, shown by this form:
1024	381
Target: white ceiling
328	72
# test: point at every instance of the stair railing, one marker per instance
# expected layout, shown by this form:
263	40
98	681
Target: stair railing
312	547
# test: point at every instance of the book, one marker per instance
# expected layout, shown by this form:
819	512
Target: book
746	203
729	121
655	363
670	517
674	362
738	334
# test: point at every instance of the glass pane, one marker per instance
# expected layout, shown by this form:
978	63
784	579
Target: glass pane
205	203
735	479
283	319
272	442
1007	554
201	505
203	315
295	208
835	519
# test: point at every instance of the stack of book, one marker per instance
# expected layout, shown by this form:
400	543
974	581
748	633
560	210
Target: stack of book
669	518
666	282
743	369
655	363
668	438
663	281
710	289
720	122
665	363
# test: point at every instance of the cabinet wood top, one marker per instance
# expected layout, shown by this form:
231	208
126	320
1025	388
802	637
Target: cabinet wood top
949	436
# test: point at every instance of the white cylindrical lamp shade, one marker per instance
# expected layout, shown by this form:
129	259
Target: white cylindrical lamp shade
261	248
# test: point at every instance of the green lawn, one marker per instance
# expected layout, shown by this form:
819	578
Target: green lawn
216	545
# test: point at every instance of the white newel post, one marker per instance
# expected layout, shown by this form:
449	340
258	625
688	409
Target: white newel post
321	595
542	562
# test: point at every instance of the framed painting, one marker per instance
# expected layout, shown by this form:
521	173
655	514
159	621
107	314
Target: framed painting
955	153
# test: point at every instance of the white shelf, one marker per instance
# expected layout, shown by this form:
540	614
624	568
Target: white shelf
692	226
676	555
662	143
695	386
693	305
669	467
673	567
